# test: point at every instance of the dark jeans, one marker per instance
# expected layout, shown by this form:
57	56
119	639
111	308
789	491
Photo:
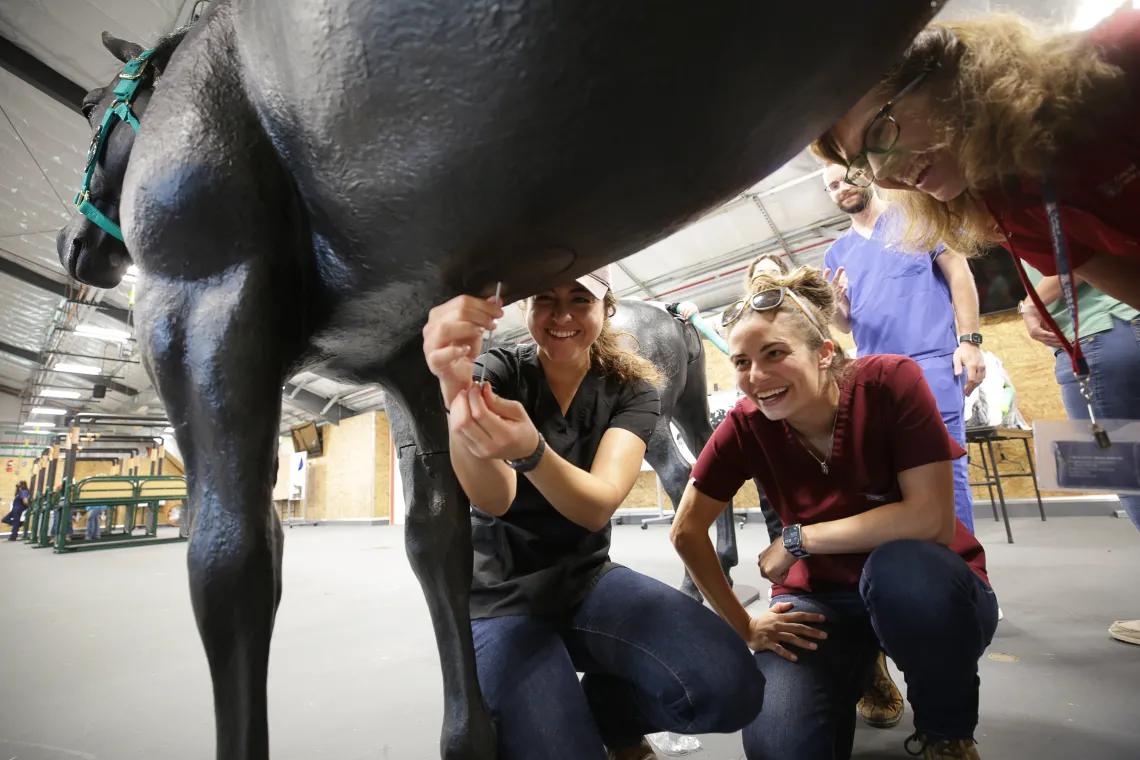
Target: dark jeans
1114	375
654	660
927	610
13	519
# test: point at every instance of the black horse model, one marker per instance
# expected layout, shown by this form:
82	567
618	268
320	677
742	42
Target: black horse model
310	178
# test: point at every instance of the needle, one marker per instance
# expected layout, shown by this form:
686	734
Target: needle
487	339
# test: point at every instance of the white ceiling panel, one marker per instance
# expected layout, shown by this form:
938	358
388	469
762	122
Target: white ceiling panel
56	136
36	252
25	313
65	34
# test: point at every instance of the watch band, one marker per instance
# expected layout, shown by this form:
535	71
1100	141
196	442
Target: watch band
529	463
793	540
975	338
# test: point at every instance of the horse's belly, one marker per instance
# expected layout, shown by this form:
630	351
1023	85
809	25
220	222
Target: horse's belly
482	141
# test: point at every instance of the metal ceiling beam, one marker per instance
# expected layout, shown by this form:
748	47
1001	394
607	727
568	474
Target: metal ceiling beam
22	353
34	357
326	409
37	280
112	385
38	74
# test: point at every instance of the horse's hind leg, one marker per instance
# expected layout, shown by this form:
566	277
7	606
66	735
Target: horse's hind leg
666	459
691	416
437	538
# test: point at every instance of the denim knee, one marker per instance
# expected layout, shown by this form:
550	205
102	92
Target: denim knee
719	696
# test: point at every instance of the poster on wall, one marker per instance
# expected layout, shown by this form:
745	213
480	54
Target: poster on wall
298	474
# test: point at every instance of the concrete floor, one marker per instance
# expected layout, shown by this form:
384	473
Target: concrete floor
103	660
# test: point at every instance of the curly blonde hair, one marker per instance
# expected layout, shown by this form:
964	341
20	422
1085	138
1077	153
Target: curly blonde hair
815	292
1008	98
608	356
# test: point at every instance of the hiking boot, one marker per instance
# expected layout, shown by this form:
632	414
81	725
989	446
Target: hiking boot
642	751
1127	631
882	703
942	749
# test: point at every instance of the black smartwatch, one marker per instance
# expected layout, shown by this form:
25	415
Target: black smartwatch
529	463
975	338
793	538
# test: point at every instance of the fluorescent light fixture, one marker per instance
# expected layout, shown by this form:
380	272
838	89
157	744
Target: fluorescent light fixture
106	333
168	430
34	424
1089	13
48	410
53	393
81	369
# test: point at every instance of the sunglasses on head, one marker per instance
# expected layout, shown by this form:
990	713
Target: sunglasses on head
766	300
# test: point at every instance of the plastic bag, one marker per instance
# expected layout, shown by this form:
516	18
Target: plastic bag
675	744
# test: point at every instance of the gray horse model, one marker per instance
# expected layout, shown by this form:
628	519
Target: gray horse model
310	178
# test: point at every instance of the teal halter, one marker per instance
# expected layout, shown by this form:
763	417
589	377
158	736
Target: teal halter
120	110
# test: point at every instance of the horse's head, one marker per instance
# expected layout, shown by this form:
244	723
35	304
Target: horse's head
91	247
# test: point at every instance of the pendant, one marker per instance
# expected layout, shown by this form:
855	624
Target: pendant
823	466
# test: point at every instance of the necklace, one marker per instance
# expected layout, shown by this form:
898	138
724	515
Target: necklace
826	461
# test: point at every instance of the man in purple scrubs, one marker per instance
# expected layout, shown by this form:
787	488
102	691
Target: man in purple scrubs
897	301
901	302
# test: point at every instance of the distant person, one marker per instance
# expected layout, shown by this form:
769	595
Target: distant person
94	514
1110	334
19	505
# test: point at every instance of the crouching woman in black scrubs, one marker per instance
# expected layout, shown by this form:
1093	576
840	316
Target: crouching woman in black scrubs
547	450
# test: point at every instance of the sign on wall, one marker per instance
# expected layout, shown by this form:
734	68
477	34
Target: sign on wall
298	474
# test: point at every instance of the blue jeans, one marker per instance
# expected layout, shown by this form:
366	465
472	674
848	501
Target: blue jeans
654	660
93	515
1114	375
919	602
950	394
14	519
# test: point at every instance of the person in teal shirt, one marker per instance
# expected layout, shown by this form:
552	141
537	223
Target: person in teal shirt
1110	341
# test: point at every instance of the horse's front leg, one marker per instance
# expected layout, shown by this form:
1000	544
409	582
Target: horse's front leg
437	538
213	357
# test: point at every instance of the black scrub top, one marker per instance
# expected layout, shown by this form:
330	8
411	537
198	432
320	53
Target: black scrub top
532	560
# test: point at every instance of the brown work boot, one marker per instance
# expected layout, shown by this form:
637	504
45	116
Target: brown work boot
942	749
882	703
642	751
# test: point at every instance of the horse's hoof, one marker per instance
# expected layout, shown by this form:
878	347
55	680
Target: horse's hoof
475	740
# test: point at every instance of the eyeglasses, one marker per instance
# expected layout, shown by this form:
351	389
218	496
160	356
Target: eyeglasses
766	300
880	136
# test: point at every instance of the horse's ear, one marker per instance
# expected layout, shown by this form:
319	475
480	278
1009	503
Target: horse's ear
121	49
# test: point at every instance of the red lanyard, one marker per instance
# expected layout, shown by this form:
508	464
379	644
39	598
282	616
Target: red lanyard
1065	275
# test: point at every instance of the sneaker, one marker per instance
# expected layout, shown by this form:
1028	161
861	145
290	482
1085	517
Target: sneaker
882	704
942	749
642	751
1127	631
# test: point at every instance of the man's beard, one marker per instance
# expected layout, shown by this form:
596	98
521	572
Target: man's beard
856	205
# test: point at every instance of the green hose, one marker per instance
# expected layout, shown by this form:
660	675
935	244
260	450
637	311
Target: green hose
709	332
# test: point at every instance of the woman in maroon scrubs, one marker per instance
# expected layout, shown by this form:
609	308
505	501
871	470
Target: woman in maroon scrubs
857	463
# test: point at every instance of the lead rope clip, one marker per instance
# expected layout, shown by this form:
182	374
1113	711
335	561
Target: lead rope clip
1098	433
